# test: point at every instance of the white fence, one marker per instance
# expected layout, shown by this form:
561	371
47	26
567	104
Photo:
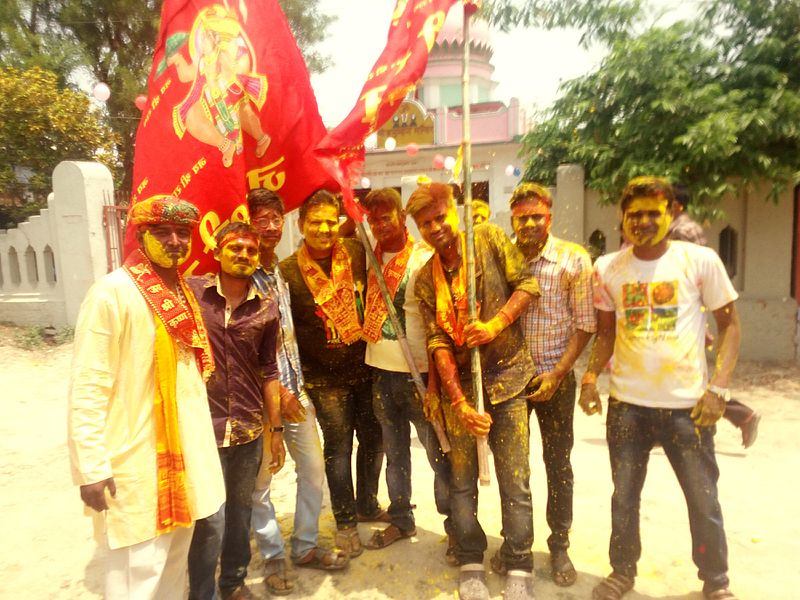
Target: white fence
48	262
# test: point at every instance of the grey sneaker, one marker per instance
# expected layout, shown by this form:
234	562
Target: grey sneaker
519	586
472	583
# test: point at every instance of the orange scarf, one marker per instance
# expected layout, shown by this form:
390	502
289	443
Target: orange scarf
393	272
451	316
175	322
335	295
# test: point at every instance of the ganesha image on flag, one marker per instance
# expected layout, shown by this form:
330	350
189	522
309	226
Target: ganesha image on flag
226	92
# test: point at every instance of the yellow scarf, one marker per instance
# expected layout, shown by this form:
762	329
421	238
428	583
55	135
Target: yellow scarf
393	272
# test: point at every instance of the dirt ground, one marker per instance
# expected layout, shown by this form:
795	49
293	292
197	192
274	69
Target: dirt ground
49	551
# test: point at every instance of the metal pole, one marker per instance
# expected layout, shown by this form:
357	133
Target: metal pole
416	376
475	354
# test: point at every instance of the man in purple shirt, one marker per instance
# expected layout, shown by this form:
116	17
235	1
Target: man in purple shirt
244	398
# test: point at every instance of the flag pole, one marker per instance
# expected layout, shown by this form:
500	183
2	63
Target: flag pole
416	376
466	144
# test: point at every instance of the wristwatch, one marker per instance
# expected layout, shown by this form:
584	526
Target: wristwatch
723	393
276	429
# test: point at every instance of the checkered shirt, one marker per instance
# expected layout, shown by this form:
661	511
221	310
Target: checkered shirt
271	283
564	272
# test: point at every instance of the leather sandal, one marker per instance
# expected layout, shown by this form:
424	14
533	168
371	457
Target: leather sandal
562	569
613	587
386	537
379	517
275	578
720	594
348	541
324	560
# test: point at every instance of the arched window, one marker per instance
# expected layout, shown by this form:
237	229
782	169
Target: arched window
597	244
13	266
728	245
49	265
31	268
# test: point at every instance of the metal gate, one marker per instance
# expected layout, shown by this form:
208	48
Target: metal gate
114	218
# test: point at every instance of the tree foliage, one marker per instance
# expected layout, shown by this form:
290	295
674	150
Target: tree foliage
599	20
714	102
113	42
42	124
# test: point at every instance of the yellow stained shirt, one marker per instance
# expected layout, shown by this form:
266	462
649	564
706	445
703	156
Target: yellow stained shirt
110	418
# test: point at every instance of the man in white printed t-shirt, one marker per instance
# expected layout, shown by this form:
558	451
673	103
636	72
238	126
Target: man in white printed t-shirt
395	402
651	300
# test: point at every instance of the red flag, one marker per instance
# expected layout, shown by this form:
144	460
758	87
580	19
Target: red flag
230	108
412	33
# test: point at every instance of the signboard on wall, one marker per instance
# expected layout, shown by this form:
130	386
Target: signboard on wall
411	124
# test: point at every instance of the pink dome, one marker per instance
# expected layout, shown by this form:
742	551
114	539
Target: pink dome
452	31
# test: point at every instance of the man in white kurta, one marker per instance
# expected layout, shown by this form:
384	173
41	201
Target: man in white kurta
112	431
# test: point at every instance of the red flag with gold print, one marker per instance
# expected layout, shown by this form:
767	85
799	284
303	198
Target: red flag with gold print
412	33
230	108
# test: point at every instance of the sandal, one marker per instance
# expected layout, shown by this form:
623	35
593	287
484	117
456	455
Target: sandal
348	541
720	594
519	586
386	537
472	583
562	569
613	587
324	560
275	579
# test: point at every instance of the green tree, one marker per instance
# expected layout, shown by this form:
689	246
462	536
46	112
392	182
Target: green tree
42	124
715	103
600	20
113	42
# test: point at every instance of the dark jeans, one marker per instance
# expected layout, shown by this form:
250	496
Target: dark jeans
341	411
509	441
555	424
632	431
397	406
225	536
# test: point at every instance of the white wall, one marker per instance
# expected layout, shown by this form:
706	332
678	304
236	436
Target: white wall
60	252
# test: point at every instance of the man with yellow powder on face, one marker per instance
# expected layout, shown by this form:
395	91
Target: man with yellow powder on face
651	300
140	437
244	398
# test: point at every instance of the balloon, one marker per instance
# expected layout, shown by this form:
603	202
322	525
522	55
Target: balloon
412	149
449	163
517	172
390	144
510	170
438	161
101	92
141	102
365	182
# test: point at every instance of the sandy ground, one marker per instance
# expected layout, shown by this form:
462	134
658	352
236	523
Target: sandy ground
49	552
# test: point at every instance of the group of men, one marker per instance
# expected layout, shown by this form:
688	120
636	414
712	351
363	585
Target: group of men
285	345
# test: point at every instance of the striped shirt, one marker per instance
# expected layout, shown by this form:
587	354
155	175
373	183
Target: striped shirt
564	272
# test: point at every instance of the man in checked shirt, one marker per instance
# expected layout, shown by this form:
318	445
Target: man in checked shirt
557	330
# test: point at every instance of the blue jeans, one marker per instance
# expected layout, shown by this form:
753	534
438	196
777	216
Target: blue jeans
509	441
397	406
555	424
632	431
225	536
303	444
342	411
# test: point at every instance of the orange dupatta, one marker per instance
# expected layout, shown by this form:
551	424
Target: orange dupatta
451	317
335	295
393	272
174	321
